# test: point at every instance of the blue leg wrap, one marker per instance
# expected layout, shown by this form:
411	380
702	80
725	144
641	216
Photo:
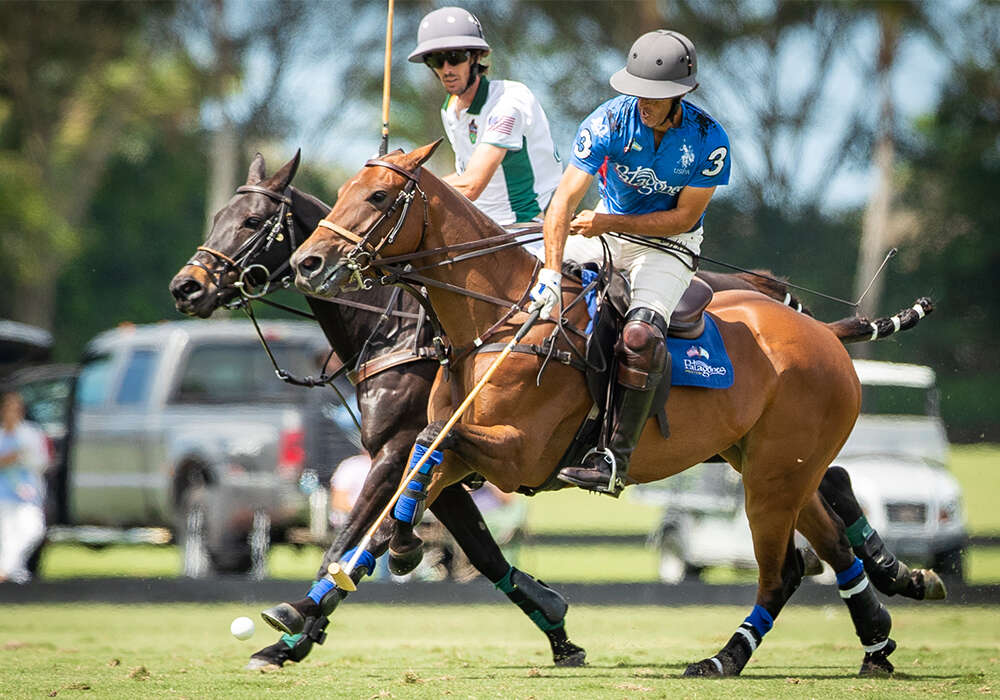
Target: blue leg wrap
410	506
320	589
367	559
850	573
761	619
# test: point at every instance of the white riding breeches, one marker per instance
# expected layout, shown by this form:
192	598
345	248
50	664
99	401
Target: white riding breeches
658	279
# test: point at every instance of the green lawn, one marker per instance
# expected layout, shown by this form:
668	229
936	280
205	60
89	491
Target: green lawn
977	468
185	651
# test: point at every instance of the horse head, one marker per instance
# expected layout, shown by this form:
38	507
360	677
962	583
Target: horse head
372	218
247	244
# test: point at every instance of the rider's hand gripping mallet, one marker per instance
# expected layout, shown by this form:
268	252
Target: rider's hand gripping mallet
522	331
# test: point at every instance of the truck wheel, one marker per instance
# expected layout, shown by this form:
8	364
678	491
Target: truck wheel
950	564
193	532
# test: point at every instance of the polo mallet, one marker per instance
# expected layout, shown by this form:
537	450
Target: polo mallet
384	147
344	572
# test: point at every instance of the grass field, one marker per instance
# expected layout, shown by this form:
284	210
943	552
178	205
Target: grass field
185	651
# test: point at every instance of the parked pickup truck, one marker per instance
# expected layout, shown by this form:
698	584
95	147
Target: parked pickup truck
183	425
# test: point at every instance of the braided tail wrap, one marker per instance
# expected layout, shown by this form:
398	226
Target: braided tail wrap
858	329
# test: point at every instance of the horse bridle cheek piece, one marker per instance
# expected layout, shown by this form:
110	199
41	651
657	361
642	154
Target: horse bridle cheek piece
271	231
360	258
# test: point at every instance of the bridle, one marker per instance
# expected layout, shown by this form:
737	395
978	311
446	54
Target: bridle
359	259
277	229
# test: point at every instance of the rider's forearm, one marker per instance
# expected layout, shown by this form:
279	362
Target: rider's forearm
556	230
657	224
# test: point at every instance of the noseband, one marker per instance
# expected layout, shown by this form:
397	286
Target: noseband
360	258
277	228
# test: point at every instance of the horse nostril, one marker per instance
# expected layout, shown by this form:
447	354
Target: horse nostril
311	263
190	289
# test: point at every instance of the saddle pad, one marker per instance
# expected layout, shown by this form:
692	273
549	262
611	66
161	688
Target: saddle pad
702	361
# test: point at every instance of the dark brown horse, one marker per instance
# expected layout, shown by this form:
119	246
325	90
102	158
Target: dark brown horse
794	401
395	376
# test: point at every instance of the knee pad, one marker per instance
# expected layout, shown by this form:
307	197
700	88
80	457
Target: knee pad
642	350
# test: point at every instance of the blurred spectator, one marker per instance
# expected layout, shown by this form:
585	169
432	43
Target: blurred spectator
345	487
24	456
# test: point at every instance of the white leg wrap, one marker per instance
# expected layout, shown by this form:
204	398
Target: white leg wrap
749	637
788	299
876	646
851	592
895	324
919	309
718	664
874	331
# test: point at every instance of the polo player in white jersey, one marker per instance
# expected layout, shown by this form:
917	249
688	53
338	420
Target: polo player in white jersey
505	160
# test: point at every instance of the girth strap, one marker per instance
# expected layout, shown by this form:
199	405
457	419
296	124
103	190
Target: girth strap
563	356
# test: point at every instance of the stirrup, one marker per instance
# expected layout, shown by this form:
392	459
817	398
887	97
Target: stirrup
615	484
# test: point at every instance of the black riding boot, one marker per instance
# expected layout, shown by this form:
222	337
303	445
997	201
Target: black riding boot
643	360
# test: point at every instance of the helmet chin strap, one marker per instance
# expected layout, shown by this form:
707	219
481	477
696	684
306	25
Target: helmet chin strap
473	71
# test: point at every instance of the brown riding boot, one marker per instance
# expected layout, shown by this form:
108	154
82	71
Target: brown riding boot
643	360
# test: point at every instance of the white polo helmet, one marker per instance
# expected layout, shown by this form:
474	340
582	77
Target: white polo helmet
446	29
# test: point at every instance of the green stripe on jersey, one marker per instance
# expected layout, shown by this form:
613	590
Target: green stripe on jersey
520	180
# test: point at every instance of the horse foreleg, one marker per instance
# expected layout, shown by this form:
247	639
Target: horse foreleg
780	572
889	575
872	622
543	605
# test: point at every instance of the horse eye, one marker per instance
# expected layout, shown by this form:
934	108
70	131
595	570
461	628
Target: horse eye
253	222
377	197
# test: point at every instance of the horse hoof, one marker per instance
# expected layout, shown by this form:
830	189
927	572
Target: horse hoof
811	564
284	618
264	665
934	588
876	664
706	668
402	563
570	656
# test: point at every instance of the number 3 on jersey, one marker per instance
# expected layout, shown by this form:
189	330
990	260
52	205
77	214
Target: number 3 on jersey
583	144
718	159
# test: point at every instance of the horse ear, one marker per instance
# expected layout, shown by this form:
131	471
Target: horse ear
256	172
417	157
279	181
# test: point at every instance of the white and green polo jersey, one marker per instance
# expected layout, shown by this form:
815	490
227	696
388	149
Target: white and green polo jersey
504	113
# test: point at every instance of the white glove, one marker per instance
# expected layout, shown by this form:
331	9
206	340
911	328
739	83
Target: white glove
546	293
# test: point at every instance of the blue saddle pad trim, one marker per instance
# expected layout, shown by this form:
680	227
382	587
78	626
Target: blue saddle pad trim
702	361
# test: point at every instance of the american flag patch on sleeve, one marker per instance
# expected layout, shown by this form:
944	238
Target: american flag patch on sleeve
503	125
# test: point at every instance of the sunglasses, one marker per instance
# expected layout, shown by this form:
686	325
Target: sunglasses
439	58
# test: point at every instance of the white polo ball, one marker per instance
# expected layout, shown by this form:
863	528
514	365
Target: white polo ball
242	628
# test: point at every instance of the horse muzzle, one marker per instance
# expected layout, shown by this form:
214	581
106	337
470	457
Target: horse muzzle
316	277
192	296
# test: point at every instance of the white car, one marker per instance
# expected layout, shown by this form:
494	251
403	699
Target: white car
896	456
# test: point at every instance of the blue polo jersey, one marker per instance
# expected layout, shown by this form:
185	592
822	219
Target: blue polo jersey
636	176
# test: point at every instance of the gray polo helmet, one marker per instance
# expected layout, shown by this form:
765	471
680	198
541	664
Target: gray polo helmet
660	64
445	29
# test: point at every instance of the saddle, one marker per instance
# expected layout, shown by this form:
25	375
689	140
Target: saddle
613	296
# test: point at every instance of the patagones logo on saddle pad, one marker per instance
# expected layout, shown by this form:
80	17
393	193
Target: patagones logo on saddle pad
644	180
703	361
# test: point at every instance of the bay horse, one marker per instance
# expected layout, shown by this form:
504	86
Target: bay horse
793	403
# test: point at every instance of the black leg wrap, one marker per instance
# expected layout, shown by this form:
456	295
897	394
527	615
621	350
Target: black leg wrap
889	575
547	608
732	657
278	653
872	623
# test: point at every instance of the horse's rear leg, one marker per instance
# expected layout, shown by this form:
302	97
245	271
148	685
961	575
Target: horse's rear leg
889	575
872	622
780	568
543	605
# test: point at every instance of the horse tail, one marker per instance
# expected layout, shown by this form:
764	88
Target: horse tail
766	282
858	329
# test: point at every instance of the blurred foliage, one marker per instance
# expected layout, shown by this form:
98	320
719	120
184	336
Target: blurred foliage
111	112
